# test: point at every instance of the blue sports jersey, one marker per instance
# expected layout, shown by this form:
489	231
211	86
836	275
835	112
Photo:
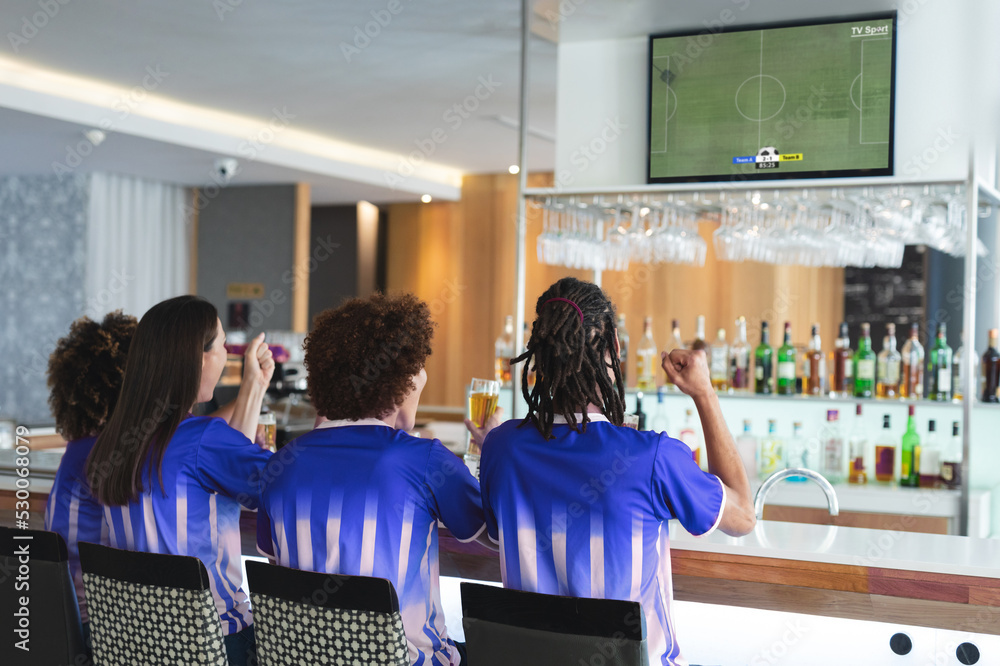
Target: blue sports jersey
361	498
73	512
585	514
209	470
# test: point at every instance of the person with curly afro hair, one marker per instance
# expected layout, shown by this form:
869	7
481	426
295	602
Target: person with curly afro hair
358	495
85	377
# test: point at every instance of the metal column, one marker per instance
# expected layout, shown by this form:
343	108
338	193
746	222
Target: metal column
969	320
521	223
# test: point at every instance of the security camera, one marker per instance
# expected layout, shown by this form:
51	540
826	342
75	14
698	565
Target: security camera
225	169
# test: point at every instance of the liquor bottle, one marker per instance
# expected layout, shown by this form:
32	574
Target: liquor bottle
801	452
786	364
690	435
885	454
718	359
675	343
962	363
746	446
889	365
638	411
699	334
832	463
503	352
659	421
817	364
991	369
857	444
909	473
912	385
739	359
930	459
770	456
864	365
843	366
645	359
951	460
623	345
939	367
763	361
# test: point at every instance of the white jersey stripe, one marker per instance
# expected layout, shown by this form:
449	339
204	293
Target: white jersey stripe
127	523
527	551
405	535
303	531
332	534
74	518
182	517
637	548
149	525
368	534
213	523
596	553
110	522
559	548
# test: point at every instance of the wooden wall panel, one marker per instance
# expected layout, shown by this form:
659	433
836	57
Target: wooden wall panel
459	257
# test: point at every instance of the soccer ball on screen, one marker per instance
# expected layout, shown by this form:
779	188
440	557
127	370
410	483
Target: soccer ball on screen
767	151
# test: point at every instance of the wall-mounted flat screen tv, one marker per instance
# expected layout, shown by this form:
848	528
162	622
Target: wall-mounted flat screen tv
795	100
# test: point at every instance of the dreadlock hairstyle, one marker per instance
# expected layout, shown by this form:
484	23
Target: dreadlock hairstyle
572	350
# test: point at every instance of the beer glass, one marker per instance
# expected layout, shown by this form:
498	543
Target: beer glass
267	431
483	396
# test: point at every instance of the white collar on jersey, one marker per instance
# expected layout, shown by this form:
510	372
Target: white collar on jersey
559	419
348	422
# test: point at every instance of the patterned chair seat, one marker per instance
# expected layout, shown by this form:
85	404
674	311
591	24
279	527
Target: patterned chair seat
147	608
303	617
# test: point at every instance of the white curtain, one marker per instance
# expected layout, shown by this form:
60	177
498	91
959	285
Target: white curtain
138	244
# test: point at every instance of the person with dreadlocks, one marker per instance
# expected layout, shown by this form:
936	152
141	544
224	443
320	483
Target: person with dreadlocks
579	504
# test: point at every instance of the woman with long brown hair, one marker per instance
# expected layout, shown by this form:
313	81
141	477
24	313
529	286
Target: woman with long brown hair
171	482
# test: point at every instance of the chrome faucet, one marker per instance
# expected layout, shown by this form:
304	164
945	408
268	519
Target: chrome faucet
771	481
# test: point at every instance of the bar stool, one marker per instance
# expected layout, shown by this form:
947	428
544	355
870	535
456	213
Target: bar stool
530	629
304	617
56	636
147	608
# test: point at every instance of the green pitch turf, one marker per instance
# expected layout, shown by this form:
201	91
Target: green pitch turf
814	90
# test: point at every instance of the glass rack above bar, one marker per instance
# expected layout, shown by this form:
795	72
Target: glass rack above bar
864	226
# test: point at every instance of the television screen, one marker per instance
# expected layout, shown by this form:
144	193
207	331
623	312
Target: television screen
783	101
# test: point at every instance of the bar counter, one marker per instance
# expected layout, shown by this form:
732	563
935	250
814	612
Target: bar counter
927	580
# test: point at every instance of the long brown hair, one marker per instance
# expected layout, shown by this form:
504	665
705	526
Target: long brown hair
569	350
162	377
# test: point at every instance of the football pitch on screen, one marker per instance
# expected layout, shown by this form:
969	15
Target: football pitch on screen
811	98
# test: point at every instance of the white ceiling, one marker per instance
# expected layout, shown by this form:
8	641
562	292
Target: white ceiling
249	57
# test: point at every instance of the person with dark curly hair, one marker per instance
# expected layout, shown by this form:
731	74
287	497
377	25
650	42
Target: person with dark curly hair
579	503
358	495
84	376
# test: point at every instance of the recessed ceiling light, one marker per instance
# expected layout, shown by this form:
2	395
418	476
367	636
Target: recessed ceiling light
426	198
513	168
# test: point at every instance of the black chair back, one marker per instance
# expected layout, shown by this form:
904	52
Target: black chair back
34	567
525	628
148	608
304	617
